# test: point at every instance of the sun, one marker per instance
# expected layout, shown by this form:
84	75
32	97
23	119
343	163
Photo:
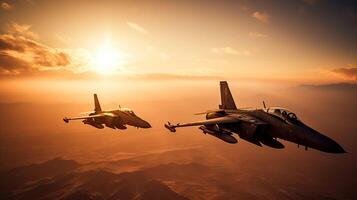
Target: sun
107	59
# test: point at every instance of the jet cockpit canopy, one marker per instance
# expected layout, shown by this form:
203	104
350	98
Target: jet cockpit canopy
283	113
127	110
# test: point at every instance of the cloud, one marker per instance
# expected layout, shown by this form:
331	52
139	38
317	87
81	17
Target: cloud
137	27
261	16
230	50
257	35
349	73
332	86
21	30
10	65
6	6
19	53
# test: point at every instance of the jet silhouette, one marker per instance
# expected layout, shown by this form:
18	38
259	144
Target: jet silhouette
113	118
259	126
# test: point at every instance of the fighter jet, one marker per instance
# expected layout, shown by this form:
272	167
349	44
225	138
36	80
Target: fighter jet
259	126
112	118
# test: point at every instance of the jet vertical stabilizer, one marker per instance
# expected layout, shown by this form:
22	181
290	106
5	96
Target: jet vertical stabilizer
97	107
227	101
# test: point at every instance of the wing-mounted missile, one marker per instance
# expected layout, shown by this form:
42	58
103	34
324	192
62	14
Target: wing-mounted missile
225	136
252	140
93	123
170	127
119	126
273	143
110	125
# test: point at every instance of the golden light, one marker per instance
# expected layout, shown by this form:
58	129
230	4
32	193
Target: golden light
107	59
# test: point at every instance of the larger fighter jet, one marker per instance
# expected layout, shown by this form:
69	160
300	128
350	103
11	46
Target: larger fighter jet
259	126
112	118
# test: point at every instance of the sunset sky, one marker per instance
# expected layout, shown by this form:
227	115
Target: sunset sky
164	60
305	41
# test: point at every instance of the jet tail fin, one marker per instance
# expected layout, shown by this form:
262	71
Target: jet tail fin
227	101
96	104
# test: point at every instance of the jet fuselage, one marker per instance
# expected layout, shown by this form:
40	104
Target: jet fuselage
292	130
120	118
111	118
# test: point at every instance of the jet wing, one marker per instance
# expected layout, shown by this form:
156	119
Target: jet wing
219	120
89	117
232	118
248	118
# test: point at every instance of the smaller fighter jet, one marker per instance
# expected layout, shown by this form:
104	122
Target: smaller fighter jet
259	126
115	119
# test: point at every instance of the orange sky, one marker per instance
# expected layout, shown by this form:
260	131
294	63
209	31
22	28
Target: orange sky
164	59
301	41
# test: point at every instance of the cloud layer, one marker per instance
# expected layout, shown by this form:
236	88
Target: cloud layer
6	6
137	27
230	50
347	72
20	53
261	16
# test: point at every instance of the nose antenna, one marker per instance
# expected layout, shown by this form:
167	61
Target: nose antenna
264	105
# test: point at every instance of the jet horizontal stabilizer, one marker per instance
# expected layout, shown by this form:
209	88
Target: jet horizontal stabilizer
66	119
170	127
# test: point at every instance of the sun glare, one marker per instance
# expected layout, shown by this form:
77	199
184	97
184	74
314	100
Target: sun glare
107	59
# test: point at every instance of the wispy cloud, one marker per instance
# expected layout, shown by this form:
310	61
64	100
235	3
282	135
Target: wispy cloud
230	50
20	53
331	86
257	35
21	30
349	73
137	27
6	6
261	16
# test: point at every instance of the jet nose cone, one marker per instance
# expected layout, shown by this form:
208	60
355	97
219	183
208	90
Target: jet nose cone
146	125
321	142
334	147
